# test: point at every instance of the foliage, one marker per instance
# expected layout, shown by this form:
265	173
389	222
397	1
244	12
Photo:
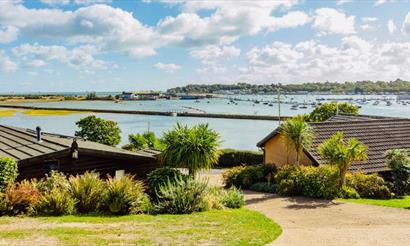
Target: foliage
99	130
56	202
317	182
231	158
298	134
327	110
245	176
193	148
368	185
399	163
263	187
91	96
8	172
143	141
53	180
21	198
338	151
88	190
233	198
185	196
160	177
126	196
348	192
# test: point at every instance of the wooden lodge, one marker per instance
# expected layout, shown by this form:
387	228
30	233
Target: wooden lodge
38	153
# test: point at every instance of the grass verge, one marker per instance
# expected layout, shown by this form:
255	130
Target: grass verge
41	112
223	227
395	203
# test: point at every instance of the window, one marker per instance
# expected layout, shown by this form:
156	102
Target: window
52	165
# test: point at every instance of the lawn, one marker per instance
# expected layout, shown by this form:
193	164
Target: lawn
395	203
223	227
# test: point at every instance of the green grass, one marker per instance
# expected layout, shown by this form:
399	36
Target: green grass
221	227
395	203
41	112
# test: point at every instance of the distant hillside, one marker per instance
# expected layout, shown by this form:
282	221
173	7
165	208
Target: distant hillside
395	86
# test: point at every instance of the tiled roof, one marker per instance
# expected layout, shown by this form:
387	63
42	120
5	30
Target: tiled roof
379	134
21	144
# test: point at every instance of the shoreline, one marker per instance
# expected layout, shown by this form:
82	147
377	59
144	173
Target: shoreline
159	113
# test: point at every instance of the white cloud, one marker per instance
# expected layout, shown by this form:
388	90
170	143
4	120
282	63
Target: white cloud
391	26
212	52
55	2
405	27
379	2
78	2
369	19
6	64
354	59
36	63
81	57
227	22
331	21
167	67
340	2
8	34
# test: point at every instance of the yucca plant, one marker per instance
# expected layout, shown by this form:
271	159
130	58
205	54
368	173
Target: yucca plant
298	134
88	190
193	148
184	196
125	196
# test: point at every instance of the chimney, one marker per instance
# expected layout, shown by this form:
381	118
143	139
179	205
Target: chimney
38	134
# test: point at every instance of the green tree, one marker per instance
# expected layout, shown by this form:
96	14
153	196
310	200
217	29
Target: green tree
143	141
338	151
8	172
99	130
327	110
298	134
399	162
193	148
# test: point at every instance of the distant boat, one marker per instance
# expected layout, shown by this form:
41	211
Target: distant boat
271	104
388	103
376	103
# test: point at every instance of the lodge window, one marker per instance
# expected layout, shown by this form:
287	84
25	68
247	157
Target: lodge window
52	165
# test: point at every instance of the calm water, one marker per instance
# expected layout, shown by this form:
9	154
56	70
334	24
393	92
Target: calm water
239	134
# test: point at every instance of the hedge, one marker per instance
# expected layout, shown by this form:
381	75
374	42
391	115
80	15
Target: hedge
232	158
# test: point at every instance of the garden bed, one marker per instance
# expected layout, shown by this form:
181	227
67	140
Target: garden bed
222	227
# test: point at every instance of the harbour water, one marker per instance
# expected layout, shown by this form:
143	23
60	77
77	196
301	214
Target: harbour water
238	134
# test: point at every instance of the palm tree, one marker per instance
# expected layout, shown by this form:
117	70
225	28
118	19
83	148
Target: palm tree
193	148
338	151
298	134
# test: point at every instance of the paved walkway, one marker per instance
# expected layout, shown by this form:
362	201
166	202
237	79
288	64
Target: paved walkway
320	222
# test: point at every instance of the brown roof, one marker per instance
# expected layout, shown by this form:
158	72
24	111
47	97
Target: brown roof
378	134
21	144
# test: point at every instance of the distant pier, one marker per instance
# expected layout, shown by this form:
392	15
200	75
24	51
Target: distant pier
143	112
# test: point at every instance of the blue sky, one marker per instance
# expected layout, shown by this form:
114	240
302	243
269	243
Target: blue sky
103	45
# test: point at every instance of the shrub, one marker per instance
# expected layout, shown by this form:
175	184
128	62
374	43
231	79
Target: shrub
231	158
233	198
21	198
348	192
88	190
8	172
263	187
160	177
56	202
125	196
245	176
368	185
317	182
399	163
213	198
54	180
182	197
99	130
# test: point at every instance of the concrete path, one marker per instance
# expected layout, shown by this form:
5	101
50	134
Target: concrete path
320	222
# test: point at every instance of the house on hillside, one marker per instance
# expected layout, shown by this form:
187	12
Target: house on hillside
38	153
379	134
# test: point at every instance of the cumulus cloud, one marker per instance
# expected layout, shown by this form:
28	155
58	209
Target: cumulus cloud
167	67
81	57
79	2
212	52
354	59
55	2
331	21
405	27
8	34
391	26
340	2
6	64
227	22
